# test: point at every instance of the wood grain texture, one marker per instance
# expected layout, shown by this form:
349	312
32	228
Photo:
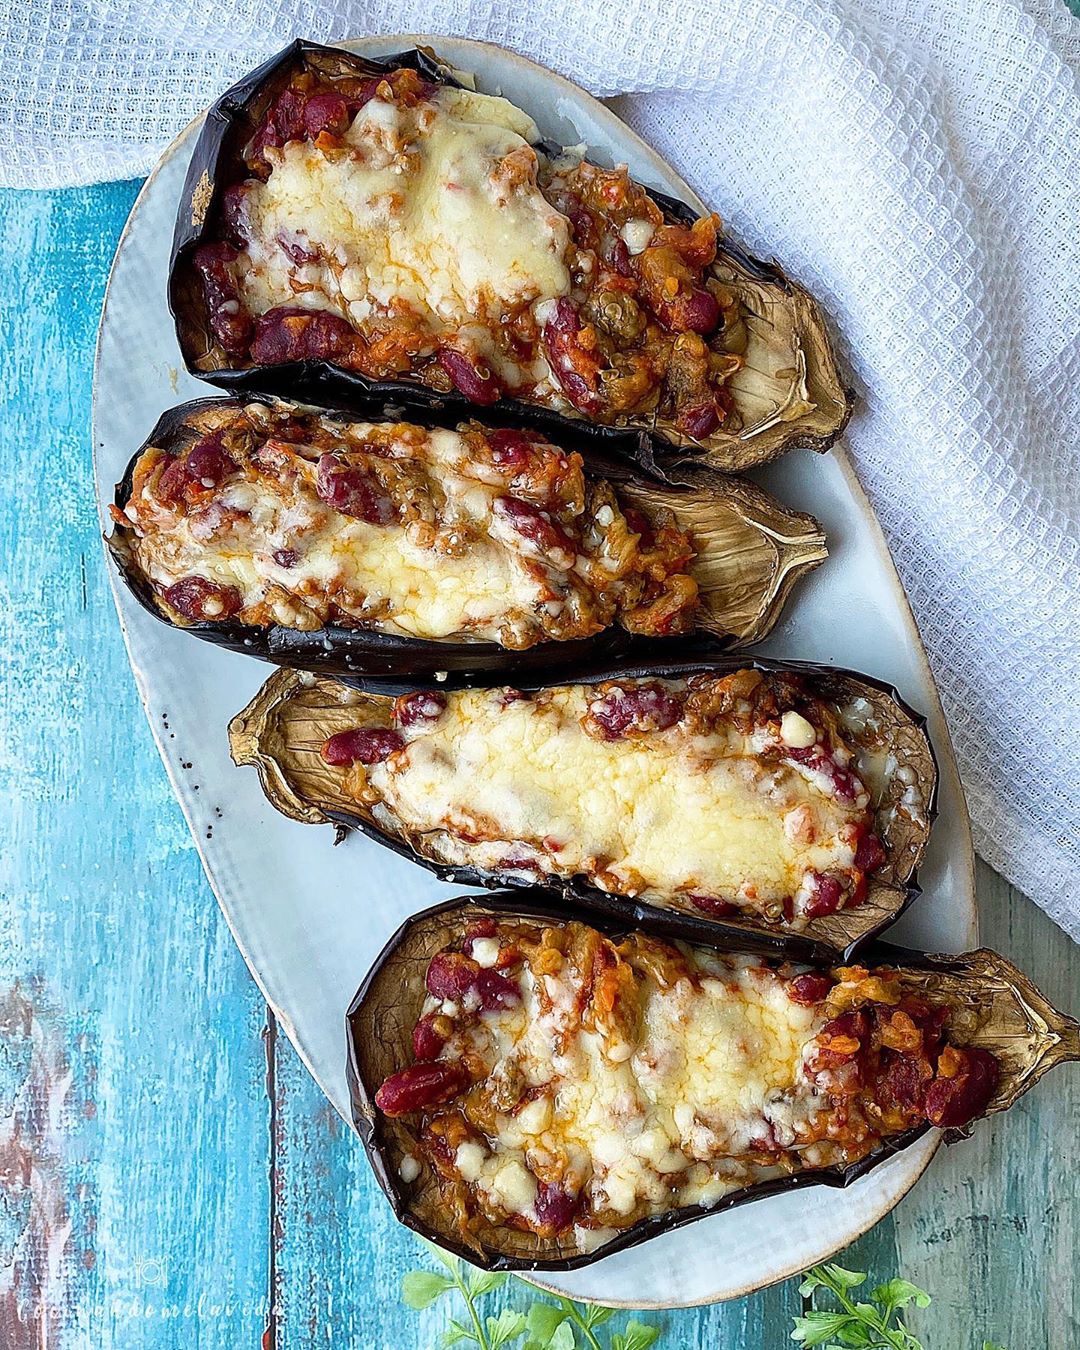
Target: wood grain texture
140	1218
157	1183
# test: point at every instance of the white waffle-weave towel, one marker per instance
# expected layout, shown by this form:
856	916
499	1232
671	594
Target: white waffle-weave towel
915	162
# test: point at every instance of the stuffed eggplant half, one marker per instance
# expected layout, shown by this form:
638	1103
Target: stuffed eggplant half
376	548
536	1093
376	229
789	805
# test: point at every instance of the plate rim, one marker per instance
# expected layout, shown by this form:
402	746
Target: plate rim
965	857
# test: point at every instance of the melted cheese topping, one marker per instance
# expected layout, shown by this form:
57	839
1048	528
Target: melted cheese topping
716	1071
670	812
436	206
389	576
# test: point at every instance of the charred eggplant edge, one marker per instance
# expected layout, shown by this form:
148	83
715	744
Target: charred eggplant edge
1054	1039
830	400
828	938
384	657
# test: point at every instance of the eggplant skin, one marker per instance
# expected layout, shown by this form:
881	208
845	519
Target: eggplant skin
792	369
996	1008
280	731
740	601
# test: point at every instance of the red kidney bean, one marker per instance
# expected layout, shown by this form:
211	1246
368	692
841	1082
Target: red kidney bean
697	312
173	480
420	1087
700	421
713	905
643	707
326	112
427	1043
930	1019
412	710
510	449
369	745
476	382
826	897
554	1208
202	600
538	528
450	975
229	321
348	489
869	855
580	224
496	991
809	989
367	91
454	976
232	212
559	340
208	464
902	1081
815	759
286	557
291	333
619	258
289	114
951	1102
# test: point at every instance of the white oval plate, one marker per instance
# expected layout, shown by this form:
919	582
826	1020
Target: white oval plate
310	918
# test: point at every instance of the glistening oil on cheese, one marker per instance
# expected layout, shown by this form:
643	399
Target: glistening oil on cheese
436	206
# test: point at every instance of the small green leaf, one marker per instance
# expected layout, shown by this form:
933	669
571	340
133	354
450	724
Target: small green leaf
859	1336
818	1327
420	1288
508	1326
482	1282
564	1338
843	1279
639	1336
455	1333
596	1315
899	1293
543	1322
561	1338
992	1345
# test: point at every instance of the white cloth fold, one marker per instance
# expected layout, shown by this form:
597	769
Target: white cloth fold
915	162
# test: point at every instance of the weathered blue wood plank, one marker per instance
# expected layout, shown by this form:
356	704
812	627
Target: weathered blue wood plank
130	1051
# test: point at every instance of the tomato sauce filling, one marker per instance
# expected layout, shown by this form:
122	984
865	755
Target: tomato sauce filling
279	517
570	1085
712	795
630	324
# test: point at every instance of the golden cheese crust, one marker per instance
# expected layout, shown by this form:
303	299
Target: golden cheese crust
299	520
562	1080
397	227
709	795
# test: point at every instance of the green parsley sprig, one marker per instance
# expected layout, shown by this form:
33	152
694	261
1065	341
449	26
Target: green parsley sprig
562	1325
874	1323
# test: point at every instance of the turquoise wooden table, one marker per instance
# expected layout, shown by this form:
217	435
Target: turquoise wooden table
169	1175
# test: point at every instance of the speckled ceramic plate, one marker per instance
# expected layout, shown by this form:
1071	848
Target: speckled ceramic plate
310	918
